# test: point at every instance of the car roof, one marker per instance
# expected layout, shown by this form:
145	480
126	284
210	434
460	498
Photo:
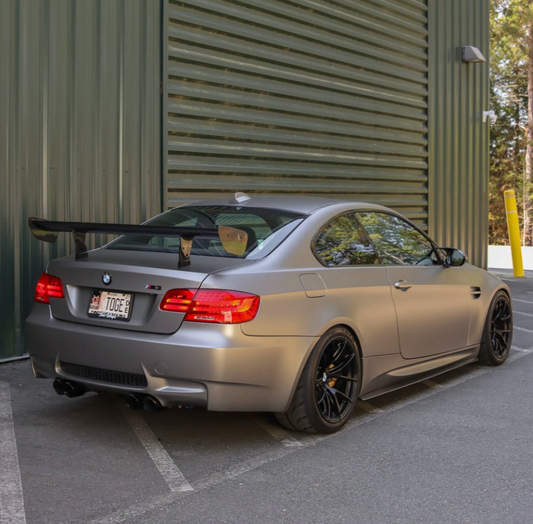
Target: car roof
296	203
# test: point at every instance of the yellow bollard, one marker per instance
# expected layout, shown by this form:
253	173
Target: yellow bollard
514	232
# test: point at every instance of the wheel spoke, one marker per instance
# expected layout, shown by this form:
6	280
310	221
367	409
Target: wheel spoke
501	342
336	392
349	379
321	390
328	405
497	311
338	352
498	350
332	396
501	332
333	371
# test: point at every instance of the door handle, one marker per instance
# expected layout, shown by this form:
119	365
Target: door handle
402	285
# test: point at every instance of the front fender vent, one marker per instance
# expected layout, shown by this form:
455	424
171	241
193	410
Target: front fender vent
475	292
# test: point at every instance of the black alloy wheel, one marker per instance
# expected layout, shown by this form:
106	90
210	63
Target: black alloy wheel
336	379
498	331
328	387
500	327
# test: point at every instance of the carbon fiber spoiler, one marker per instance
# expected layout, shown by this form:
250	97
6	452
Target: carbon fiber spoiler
233	240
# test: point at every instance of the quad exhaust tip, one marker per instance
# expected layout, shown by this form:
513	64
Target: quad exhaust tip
152	404
68	388
136	401
58	386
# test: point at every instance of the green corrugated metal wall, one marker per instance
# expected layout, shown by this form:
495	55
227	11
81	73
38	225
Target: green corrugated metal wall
302	96
79	129
458	138
311	97
330	97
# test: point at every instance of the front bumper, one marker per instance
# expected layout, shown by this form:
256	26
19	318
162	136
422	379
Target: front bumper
209	365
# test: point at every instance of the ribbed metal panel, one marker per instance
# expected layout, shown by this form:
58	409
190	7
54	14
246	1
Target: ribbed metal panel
302	96
79	129
458	138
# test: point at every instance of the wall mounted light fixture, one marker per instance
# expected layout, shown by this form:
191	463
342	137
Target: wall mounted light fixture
471	54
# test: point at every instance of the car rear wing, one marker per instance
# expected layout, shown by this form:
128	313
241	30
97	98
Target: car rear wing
233	240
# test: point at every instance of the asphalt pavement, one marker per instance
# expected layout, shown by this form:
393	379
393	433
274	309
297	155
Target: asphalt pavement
456	449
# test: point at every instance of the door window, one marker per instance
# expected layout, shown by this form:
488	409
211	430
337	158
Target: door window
397	242
342	242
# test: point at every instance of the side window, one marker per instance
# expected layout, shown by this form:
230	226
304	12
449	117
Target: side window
397	242
342	242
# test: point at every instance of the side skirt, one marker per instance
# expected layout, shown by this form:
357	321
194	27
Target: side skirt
389	373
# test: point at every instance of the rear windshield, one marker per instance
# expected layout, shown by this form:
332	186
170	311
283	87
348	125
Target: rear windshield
265	228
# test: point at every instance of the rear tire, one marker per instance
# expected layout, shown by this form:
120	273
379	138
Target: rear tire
497	332
328	387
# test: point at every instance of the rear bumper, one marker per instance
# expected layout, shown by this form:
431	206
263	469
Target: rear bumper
201	364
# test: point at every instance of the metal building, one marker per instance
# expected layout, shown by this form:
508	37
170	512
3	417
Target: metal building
114	110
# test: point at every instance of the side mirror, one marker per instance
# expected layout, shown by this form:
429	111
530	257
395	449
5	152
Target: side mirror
453	257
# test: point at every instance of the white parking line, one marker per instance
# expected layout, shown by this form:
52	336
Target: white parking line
164	500
11	497
523	351
522	313
523	329
163	461
142	508
522	300
277	432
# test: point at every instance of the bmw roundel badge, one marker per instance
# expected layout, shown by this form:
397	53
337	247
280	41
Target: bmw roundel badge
106	279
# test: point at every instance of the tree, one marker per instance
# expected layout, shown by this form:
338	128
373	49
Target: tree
512	100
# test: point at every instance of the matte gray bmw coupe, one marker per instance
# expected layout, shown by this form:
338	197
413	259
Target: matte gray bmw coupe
293	305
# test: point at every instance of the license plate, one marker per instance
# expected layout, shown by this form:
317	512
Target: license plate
110	305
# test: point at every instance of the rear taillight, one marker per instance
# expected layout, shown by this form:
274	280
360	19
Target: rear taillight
222	307
177	300
212	305
48	287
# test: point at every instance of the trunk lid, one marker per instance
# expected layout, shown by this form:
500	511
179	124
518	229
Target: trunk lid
146	276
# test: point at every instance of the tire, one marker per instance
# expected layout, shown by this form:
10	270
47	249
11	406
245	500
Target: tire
323	400
497	332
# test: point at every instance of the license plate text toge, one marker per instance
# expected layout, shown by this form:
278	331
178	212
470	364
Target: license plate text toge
110	305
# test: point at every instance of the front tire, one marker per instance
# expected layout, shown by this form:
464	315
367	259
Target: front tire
498	331
329	386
